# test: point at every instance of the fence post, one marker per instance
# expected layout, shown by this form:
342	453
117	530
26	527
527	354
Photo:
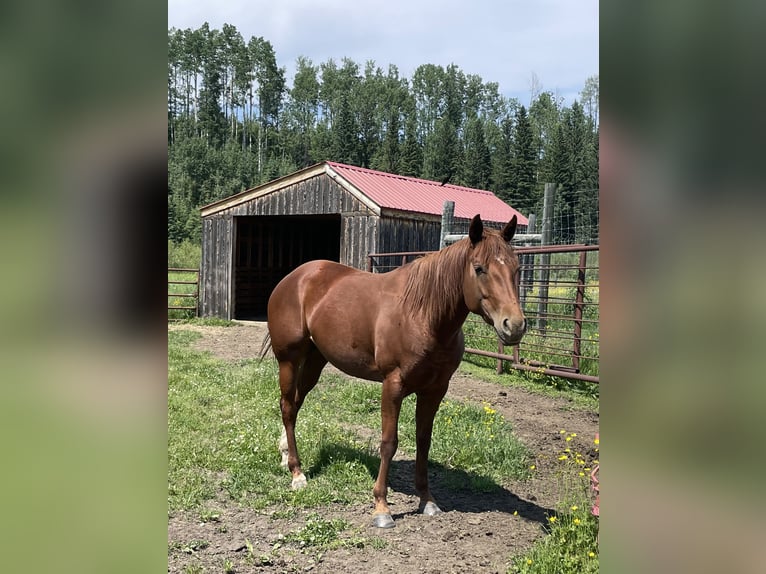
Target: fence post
578	307
527	265
448	214
545	258
199	301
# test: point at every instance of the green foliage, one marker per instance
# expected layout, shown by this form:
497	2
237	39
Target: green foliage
184	255
318	532
233	123
571	546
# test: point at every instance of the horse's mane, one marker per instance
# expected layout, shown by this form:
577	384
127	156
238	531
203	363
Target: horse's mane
434	286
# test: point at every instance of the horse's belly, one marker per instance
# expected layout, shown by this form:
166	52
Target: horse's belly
351	360
368	372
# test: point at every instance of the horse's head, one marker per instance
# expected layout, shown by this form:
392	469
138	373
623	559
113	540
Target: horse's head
489	284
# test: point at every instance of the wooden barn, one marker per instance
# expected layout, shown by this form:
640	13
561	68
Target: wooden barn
251	240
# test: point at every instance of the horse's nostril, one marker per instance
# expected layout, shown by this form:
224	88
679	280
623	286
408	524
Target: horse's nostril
507	326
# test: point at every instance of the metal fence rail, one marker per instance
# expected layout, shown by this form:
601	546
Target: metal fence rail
183	291
559	292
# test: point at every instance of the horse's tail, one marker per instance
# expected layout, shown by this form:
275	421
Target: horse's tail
265	347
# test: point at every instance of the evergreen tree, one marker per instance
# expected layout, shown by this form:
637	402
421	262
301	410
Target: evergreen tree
502	163
344	140
523	165
412	152
544	115
477	164
573	171
442	157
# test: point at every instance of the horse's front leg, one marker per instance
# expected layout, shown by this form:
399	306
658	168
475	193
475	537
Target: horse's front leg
425	412
390	406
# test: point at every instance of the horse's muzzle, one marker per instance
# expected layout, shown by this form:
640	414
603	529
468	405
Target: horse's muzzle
512	330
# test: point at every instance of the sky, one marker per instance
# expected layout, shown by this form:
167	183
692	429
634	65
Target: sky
507	42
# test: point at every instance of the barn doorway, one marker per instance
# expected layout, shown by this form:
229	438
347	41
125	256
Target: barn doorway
268	247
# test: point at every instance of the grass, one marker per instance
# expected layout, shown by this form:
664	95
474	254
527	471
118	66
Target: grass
572	541
224	424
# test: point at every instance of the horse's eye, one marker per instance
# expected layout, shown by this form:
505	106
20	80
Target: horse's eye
479	269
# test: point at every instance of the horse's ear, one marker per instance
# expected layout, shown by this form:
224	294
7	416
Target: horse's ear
476	230
510	229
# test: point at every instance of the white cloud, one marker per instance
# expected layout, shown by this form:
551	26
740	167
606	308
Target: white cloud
503	42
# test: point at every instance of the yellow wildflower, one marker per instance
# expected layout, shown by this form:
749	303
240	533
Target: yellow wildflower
576	521
574	507
532	467
592	554
552	519
529	561
563	457
596	441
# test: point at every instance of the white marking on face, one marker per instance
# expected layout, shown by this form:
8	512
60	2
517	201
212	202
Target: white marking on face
500	260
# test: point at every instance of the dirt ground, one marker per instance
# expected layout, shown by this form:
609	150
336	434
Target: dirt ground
476	533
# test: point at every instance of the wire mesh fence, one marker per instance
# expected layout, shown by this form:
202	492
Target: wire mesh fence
572	218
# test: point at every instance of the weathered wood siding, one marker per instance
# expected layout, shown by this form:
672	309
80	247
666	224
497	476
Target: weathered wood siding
216	272
315	195
397	233
359	235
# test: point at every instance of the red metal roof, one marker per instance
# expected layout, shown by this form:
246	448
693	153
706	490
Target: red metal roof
424	196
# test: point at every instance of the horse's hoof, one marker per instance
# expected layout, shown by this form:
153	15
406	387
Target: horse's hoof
299	482
383	521
430	509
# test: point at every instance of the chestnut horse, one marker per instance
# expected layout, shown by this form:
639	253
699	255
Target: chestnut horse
403	328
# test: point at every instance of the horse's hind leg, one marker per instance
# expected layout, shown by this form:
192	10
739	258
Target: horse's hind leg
296	379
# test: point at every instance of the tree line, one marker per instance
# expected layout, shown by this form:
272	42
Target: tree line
234	123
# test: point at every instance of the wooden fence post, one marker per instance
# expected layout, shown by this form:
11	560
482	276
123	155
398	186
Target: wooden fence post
448	214
545	258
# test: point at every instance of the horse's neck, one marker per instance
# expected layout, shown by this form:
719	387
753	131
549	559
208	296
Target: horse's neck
456	310
439	298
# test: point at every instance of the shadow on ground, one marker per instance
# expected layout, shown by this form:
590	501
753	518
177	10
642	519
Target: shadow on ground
453	488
